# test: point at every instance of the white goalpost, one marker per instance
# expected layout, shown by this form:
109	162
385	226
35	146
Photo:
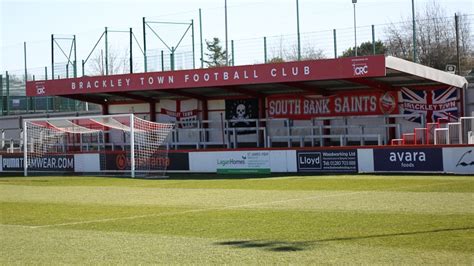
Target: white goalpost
122	144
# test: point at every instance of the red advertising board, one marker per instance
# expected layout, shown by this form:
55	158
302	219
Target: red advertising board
342	104
342	68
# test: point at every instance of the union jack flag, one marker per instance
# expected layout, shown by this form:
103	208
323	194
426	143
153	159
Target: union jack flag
433	104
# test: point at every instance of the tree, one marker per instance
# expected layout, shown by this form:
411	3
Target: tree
216	55
435	39
116	64
282	53
365	48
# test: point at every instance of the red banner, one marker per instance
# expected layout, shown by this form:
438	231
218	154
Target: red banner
343	104
341	68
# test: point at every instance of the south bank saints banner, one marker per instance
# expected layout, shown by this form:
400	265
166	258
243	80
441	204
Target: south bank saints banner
344	104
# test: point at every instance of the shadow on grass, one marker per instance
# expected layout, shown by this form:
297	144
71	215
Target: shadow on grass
276	246
284	246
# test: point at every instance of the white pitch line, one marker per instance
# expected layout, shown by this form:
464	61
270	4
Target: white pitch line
191	211
220	208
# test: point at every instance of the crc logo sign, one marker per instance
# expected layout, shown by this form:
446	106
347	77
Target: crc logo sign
40	89
360	69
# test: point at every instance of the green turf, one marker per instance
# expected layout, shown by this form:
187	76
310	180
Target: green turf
202	219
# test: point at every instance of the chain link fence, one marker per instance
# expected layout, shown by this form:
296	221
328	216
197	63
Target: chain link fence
313	45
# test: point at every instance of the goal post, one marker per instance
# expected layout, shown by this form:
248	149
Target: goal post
120	144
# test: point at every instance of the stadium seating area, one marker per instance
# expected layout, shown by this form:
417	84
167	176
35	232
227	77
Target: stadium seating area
441	132
268	133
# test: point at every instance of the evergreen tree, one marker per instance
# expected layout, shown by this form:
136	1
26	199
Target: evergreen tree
216	55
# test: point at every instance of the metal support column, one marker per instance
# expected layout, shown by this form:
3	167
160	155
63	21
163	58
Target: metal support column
52	56
298	29
373	39
192	37
144	44
414	29
232	50
200	33
458	58
131	50
106	53
7	104
75	57
265	49
28	99
172	58
162	61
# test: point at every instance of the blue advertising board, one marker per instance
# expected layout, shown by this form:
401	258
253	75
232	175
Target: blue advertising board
408	160
63	163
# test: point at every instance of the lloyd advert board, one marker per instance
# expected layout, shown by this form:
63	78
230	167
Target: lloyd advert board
408	160
336	161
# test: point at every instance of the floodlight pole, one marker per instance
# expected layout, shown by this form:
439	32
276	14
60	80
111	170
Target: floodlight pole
144	44
298	29
75	56
226	39
52	56
192	37
458	60
24	54
200	33
106	53
131	48
414	29
354	2
26	77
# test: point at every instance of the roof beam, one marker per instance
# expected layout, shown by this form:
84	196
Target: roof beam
372	83
186	94
242	91
81	97
307	88
133	96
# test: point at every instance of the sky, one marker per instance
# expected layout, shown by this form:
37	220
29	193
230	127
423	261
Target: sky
33	22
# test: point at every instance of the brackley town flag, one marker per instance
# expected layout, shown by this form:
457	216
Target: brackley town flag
434	104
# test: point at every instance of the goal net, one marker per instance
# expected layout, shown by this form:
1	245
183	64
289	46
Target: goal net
118	144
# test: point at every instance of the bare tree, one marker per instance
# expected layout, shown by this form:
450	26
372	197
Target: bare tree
117	64
435	38
290	53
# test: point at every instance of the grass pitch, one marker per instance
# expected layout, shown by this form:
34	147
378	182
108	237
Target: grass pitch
360	219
